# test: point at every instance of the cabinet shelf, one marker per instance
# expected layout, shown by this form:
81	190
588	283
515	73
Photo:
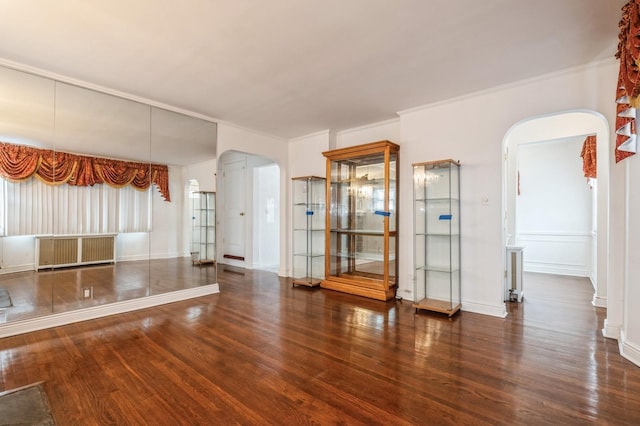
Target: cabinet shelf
363	181
373	257
369	232
436	305
442	269
437	236
437	200
309	205
305	254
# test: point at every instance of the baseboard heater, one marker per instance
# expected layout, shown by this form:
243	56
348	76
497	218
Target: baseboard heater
74	250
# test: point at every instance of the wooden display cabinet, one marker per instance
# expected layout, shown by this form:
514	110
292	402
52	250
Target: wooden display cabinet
361	243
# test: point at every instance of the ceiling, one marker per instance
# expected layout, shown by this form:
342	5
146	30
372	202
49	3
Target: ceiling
293	67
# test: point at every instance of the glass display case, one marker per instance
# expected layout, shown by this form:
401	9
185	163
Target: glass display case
362	221
436	188
309	209
203	237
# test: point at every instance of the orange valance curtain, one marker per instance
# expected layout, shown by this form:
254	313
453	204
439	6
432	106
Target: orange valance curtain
589	159
18	162
628	91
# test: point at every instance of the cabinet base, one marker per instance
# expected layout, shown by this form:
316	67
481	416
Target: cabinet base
377	292
437	306
308	282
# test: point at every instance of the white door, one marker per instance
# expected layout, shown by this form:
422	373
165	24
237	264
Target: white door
234	201
267	238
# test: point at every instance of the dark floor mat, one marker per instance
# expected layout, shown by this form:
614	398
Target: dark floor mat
26	406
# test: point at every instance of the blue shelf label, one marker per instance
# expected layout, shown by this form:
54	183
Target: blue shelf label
445	217
381	213
309	212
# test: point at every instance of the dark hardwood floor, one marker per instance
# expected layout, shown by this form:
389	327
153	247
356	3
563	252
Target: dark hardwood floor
38	293
263	352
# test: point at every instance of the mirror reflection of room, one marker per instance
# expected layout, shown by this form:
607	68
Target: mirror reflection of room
94	204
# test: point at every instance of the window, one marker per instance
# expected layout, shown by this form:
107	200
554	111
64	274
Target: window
31	207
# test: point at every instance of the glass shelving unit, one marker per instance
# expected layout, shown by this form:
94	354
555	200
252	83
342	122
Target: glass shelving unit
309	209
436	188
203	236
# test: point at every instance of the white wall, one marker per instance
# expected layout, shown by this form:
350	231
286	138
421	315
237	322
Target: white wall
305	154
554	220
18	254
630	332
385	130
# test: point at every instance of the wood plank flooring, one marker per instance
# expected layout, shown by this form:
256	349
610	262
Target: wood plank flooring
264	352
38	293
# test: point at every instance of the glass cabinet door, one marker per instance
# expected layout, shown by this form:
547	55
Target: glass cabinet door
362	220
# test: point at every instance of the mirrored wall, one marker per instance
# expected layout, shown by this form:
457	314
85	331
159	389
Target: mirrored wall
107	216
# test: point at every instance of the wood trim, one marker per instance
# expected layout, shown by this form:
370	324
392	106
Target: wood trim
359	150
352	287
307	178
385	226
327	220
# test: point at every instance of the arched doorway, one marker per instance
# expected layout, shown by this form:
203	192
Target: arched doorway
249	217
544	137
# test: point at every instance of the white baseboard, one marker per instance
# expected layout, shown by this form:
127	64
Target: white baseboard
610	332
494	311
599	302
629	350
64	318
233	262
17	268
133	258
166	255
543	268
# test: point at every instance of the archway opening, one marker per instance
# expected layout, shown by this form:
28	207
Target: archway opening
548	208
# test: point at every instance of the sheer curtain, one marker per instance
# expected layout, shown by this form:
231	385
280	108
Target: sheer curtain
31	207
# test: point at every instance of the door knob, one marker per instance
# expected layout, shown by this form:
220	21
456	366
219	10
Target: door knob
241	213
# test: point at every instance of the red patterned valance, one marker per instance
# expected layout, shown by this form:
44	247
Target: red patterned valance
589	157
18	162
629	51
628	90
